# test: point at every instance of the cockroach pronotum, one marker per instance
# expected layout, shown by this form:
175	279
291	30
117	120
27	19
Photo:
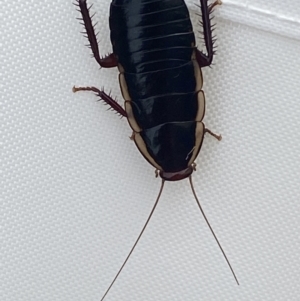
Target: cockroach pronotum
160	77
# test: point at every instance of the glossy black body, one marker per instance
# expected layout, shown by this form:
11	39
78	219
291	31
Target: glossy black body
161	82
154	41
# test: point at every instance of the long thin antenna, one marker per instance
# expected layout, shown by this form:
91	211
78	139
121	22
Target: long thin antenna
212	231
150	215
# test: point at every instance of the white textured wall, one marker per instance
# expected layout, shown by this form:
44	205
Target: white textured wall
75	191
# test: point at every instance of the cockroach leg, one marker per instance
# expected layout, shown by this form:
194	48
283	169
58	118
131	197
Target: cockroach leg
211	6
105	97
108	61
206	59
219	137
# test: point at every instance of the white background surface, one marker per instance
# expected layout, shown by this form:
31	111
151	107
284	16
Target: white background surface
75	192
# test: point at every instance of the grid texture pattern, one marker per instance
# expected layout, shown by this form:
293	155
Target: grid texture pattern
75	191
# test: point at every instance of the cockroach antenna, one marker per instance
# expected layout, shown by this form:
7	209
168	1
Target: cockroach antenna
136	242
211	230
146	224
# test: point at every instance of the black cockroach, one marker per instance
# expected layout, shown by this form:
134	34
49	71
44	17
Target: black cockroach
161	82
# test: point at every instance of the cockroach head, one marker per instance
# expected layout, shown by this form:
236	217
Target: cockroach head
176	176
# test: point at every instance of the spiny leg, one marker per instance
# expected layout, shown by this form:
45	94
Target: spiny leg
106	62
218	137
105	97
206	59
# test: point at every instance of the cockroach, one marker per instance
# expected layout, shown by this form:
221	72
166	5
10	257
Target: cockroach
160	77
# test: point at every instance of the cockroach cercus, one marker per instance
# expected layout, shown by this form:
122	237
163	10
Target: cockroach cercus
160	78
